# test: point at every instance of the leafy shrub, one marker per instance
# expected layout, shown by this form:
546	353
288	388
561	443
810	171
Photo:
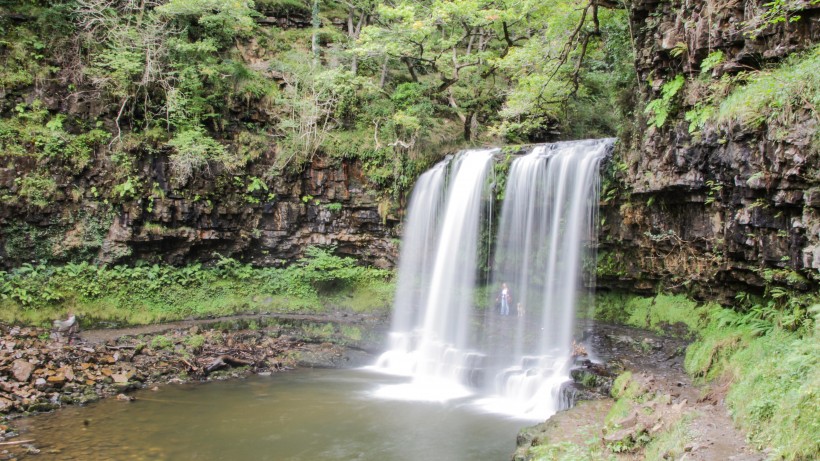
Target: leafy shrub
150	293
37	189
192	151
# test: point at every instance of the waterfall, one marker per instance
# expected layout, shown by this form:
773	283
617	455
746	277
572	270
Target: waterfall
431	330
518	362
547	221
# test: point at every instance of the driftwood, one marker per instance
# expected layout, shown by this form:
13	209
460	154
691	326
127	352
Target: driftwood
16	442
225	361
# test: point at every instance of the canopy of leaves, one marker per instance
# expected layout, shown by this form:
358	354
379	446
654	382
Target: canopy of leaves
391	83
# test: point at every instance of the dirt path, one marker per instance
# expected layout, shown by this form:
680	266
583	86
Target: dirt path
713	434
102	335
667	395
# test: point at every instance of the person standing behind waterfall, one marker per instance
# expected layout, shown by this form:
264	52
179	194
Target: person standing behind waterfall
505	299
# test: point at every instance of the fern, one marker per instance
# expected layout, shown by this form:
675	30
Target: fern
660	109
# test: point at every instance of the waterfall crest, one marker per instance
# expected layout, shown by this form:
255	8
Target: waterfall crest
516	362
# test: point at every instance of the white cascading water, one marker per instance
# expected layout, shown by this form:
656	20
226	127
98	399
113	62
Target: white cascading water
520	361
547	221
431	330
415	267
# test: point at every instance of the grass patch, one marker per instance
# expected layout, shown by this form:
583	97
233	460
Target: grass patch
671	444
371	296
775	95
590	450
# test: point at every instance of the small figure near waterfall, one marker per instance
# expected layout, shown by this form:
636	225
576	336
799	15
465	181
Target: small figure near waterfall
66	328
520	309
505	298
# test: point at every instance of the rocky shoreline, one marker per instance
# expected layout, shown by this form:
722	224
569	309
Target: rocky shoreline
41	371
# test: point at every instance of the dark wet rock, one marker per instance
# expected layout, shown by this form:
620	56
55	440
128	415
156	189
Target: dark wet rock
710	212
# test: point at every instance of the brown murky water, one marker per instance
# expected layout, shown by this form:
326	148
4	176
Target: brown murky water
311	415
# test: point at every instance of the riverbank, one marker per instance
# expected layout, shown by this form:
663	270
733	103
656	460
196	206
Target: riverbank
656	411
41	372
669	402
742	386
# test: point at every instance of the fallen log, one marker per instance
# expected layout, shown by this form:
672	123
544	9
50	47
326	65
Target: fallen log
225	361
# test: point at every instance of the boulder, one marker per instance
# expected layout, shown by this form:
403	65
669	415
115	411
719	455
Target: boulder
22	369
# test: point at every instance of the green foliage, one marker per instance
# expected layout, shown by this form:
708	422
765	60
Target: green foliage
192	150
257	191
145	294
221	18
776	12
33	137
777	95
775	376
699	116
180	78
659	313
714	190
714	59
127	190
36	189
660	109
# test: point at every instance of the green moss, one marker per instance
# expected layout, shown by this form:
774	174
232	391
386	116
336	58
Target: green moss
351	333
621	385
161	342
319	331
195	342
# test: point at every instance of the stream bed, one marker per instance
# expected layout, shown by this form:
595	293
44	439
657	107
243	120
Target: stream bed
309	414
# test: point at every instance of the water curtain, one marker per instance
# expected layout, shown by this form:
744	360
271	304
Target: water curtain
440	337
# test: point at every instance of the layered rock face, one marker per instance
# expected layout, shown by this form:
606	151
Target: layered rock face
727	208
327	204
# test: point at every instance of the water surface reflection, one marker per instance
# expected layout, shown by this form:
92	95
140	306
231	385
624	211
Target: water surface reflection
312	415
